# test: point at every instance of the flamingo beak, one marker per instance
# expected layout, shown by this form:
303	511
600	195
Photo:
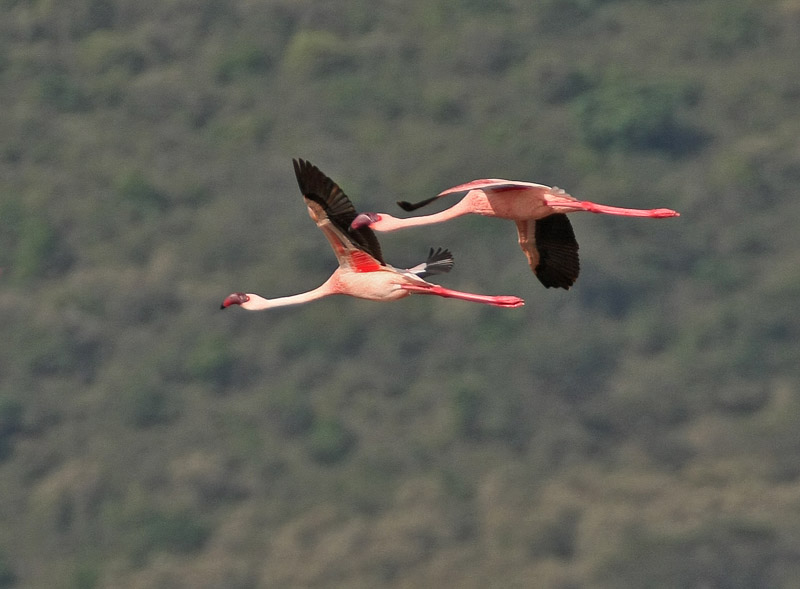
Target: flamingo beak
236	298
364	220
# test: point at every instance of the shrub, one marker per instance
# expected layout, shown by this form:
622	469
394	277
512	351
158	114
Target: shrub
144	405
724	554
559	83
626	114
38	250
314	53
154	531
104	51
86	576
140	194
739	25
63	93
8	577
101	14
211	361
62	351
558	15
11	413
242	60
558	537
330	442
293	414
468	406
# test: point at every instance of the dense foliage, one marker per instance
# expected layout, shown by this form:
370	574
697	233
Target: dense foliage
640	429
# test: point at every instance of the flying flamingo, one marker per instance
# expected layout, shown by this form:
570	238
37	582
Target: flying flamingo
362	271
545	233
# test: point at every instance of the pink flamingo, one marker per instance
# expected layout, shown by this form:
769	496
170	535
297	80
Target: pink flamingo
362	272
545	233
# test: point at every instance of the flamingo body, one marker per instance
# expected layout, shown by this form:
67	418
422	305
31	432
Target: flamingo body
544	231
362	271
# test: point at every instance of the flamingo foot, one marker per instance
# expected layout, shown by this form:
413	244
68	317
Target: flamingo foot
506	301
662	213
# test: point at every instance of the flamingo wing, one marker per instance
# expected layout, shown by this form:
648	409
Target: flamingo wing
333	212
552	251
337	207
487	185
460	189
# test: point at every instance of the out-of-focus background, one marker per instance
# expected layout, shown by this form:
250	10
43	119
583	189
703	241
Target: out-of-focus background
641	429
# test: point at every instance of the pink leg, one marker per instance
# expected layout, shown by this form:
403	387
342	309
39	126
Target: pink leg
497	301
608	210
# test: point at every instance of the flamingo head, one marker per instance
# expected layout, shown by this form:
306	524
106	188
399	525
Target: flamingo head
237	298
364	220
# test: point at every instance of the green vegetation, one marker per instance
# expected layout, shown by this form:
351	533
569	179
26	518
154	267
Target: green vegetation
640	430
632	116
7	576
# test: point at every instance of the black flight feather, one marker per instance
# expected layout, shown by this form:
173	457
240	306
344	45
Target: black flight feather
317	187
558	252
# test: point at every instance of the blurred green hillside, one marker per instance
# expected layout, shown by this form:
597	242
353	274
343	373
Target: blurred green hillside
639	430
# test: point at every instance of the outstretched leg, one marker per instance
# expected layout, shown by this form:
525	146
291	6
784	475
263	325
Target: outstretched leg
560	201
440	291
624	212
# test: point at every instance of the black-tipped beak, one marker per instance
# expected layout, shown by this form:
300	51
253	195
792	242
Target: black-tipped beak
364	220
236	298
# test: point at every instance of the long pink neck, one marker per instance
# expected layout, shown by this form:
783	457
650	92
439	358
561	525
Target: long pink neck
259	303
390	223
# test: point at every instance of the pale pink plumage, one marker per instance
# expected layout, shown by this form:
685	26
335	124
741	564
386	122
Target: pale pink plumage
539	211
